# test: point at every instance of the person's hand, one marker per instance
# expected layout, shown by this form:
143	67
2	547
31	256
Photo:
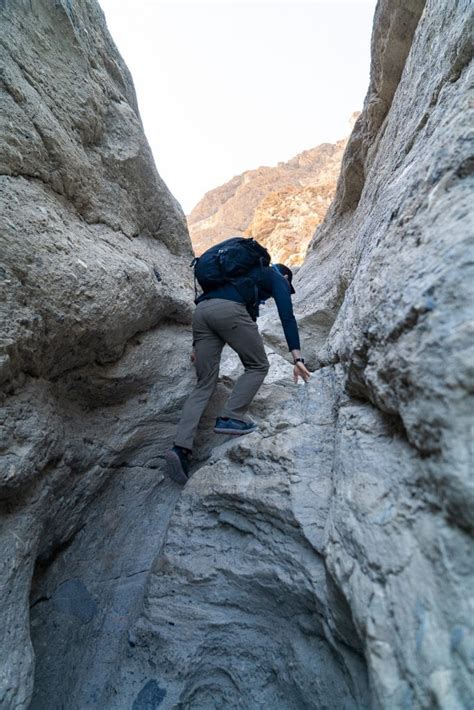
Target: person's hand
193	356
299	370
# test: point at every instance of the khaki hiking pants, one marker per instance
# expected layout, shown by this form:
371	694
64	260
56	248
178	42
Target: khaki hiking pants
215	323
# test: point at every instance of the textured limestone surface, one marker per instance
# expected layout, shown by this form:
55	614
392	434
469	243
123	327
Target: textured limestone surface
393	306
324	561
401	293
94	251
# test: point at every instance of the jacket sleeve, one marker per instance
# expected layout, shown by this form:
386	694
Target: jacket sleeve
280	290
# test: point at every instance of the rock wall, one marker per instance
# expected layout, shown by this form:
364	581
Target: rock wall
94	251
385	297
322	561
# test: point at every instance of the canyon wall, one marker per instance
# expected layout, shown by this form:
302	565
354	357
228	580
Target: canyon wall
94	252
323	561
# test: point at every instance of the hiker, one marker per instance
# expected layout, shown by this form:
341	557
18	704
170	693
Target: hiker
226	313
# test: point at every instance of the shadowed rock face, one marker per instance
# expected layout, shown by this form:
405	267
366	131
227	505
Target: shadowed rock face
323	561
94	251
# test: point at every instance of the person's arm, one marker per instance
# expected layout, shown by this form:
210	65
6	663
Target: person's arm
280	291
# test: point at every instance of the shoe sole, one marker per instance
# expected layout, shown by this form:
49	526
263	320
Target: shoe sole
233	433
175	469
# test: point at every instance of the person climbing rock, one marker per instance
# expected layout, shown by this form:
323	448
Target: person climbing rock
226	314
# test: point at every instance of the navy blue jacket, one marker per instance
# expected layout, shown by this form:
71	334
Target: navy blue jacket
270	284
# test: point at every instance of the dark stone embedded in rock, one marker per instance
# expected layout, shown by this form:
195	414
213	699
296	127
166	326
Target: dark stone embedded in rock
73	598
150	697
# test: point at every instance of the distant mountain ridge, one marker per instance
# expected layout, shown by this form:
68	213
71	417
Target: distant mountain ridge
280	206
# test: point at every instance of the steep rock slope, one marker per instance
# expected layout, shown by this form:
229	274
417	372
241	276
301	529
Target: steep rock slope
347	520
221	602
325	560
280	206
94	251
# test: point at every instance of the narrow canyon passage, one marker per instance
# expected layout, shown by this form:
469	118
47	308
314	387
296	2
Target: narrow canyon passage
322	561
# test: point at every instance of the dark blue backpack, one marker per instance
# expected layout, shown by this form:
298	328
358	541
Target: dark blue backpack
229	262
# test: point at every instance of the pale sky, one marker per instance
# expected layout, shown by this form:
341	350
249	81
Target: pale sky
225	87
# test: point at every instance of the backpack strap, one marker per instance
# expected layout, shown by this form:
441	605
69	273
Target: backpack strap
193	265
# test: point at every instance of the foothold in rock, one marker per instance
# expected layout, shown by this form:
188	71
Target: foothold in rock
457	635
73	598
149	697
157	273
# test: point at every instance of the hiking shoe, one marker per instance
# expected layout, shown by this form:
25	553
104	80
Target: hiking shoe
234	427
177	465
